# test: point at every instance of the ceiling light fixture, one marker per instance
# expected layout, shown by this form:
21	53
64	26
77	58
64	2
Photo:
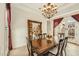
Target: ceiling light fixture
49	10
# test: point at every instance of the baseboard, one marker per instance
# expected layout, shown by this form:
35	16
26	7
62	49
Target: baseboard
18	46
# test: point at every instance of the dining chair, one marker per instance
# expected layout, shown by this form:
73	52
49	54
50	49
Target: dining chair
44	35
29	46
61	48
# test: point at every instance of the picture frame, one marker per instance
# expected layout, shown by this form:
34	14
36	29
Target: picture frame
71	30
34	29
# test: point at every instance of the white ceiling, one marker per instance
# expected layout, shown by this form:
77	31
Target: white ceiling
62	7
36	6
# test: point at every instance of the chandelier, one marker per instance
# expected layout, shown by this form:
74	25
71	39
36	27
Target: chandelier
49	10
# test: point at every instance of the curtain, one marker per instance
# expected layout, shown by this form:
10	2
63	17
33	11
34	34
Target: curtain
56	22
76	17
8	7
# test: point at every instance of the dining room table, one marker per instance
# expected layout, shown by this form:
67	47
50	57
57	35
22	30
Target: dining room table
42	46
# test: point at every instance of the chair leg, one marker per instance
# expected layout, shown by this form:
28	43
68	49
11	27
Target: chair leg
52	53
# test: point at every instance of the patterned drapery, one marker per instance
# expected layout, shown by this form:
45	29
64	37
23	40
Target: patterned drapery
8	7
76	17
56	22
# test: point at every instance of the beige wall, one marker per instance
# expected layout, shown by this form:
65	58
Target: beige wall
19	25
3	31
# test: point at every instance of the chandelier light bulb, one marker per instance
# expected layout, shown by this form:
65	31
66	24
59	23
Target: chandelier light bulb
49	10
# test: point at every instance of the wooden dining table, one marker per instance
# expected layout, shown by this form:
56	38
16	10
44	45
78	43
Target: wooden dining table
42	45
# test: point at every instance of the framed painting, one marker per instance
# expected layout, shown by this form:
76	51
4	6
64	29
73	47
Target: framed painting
71	30
34	29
